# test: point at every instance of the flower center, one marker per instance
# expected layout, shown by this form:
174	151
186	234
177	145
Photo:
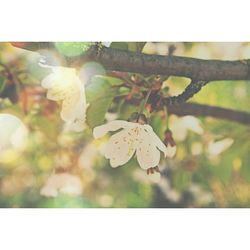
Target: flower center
134	138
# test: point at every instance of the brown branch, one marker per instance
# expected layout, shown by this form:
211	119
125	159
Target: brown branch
126	61
198	69
206	70
193	88
195	109
212	111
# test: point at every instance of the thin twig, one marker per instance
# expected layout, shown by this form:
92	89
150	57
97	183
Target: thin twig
193	88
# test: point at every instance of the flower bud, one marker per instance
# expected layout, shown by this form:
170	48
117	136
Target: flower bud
170	143
153	170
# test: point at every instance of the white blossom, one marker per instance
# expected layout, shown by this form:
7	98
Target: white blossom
181	126
170	144
62	183
64	85
171	151
13	132
134	138
216	148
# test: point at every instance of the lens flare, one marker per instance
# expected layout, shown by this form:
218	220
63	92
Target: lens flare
90	69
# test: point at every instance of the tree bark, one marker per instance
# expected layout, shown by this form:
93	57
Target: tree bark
198	69
127	61
196	109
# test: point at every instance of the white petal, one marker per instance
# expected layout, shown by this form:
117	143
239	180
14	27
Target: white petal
76	126
69	111
100	131
48	81
216	148
62	82
19	137
155	177
155	139
74	113
120	148
193	124
13	132
170	152
147	153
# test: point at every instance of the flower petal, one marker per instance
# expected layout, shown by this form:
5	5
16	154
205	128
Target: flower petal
100	131
155	177
69	110
61	83
64	85
48	81
19	138
170	151
76	126
155	139
147	153
120	148
59	74
13	132
74	107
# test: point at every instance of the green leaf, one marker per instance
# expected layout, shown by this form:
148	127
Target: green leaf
2	84
113	81
99	93
72	48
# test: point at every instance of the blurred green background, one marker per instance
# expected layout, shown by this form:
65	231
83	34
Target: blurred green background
59	168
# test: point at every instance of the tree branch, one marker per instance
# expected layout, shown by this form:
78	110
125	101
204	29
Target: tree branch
212	111
193	88
156	103
200	70
205	70
126	61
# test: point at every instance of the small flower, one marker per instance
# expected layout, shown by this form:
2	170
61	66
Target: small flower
64	85
170	144
135	137
215	148
181	126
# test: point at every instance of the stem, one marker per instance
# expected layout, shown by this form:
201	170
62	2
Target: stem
166	116
144	102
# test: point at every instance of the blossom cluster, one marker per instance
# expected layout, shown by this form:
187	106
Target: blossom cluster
64	85
134	138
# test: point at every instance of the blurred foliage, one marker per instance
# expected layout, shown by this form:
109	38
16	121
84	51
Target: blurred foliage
72	48
100	93
211	168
